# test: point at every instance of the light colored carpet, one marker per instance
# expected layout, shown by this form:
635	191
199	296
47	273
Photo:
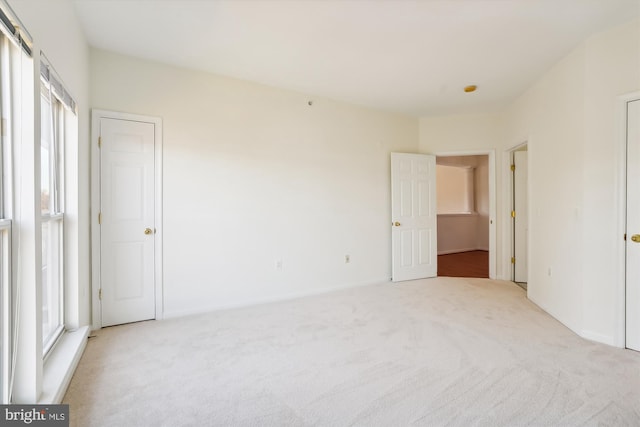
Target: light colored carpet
438	352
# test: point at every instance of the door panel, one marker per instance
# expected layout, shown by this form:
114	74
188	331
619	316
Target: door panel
127	209
633	227
413	215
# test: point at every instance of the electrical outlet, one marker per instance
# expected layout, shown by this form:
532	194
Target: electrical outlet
347	259
279	264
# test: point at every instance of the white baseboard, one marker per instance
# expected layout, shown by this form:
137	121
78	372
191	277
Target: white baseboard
61	364
459	250
597	337
266	300
588	335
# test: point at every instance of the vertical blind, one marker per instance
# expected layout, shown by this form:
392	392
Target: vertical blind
10	25
48	74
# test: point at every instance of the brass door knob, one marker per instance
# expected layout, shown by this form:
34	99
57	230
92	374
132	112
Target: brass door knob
397	224
635	238
148	231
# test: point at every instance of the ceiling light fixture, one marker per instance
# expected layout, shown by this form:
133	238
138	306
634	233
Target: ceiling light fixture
470	88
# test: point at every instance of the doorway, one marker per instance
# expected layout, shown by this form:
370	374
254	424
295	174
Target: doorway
126	224
466	206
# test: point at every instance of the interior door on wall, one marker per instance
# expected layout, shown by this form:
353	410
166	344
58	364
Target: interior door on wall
127	221
520	221
413	216
633	227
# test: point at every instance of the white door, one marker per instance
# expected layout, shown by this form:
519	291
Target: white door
521	221
127	228
633	226
413	216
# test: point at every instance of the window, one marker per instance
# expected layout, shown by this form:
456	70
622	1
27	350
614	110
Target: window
57	121
52	213
455	189
5	223
15	71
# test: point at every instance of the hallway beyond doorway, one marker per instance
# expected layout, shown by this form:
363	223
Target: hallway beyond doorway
464	264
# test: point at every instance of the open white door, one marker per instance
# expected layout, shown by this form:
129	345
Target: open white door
127	229
521	220
413	216
633	227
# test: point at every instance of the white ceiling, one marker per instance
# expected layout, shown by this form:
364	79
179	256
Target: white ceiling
412	57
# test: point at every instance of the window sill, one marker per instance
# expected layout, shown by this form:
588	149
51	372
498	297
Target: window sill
61	363
459	214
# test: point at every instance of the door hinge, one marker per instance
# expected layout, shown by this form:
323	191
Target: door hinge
100	293
100	218
513	167
513	214
99	142
513	260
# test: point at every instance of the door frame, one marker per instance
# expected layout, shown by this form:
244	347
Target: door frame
509	232
96	116
492	199
621	206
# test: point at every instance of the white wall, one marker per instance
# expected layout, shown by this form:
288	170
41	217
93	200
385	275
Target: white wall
551	113
570	121
253	175
612	68
573	157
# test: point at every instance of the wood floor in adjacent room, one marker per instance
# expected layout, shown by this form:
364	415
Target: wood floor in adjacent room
435	352
464	264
